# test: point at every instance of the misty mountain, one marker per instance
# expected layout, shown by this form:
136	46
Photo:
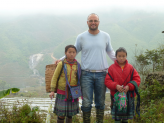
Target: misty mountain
23	36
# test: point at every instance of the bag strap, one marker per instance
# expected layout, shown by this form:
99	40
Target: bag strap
138	97
136	91
110	77
128	76
67	83
131	78
78	73
60	74
65	72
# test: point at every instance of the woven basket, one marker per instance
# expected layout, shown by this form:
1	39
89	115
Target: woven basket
48	76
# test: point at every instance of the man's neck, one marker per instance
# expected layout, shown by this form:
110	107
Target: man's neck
93	32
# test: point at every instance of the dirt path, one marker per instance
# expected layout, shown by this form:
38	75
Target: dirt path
53	57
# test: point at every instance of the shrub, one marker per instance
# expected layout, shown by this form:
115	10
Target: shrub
20	114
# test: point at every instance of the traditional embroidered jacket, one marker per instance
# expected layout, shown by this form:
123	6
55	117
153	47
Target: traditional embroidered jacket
71	74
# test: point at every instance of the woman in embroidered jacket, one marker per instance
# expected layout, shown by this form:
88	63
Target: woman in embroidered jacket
117	80
64	106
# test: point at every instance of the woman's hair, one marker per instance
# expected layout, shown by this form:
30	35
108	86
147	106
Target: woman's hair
69	46
121	49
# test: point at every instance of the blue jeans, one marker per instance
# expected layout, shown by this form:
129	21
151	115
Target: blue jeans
93	82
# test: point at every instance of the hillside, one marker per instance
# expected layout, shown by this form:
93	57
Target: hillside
23	36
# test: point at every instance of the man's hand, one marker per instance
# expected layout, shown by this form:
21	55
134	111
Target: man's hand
57	61
126	88
119	88
51	95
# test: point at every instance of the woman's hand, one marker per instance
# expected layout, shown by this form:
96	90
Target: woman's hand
119	88
51	95
126	88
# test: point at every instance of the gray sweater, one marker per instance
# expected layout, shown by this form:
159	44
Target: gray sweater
93	50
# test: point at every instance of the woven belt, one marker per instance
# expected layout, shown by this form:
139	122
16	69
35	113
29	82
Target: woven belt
97	70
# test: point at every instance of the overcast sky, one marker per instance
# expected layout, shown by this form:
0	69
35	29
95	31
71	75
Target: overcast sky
18	7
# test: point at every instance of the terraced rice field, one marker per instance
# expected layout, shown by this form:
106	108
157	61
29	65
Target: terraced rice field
42	103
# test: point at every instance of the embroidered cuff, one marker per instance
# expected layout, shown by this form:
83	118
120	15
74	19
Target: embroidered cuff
131	87
115	86
53	89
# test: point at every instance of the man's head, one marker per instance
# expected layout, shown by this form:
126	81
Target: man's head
93	21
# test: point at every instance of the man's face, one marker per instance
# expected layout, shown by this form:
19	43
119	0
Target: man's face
93	22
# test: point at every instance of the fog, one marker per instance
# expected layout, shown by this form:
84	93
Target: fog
19	7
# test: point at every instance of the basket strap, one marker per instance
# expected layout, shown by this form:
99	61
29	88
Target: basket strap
78	72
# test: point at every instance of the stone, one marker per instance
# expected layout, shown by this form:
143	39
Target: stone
159	76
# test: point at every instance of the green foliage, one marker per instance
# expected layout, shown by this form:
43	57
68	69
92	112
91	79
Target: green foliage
152	92
150	58
151	113
20	114
8	91
154	58
152	108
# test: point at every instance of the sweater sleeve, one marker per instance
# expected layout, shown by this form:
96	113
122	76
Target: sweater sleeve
109	82
78	44
136	78
109	49
111	55
55	76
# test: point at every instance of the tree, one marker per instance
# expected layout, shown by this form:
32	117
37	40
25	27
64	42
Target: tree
150	58
154	57
161	50
142	63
